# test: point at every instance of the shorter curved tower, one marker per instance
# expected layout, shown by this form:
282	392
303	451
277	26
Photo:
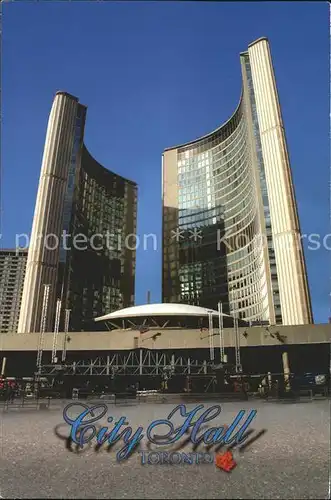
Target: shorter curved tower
231	232
82	216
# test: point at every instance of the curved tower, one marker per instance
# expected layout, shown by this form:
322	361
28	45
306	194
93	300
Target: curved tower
230	226
83	213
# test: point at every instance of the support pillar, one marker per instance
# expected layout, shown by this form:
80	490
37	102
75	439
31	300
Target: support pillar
286	368
3	368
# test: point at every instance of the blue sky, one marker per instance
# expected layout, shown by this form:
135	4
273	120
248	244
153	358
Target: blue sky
154	75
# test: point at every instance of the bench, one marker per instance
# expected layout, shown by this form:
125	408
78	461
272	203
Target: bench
125	396
306	391
314	390
101	398
150	395
44	406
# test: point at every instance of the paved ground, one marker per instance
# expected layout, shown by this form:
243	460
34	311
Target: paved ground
291	460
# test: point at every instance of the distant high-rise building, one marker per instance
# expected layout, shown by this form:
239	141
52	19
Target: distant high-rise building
230	224
91	212
12	272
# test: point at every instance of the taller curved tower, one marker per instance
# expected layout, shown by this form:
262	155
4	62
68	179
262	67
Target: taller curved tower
230	225
82	216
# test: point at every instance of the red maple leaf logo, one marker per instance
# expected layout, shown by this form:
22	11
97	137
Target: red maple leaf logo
225	461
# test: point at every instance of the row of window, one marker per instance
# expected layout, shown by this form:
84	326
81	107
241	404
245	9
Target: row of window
220	136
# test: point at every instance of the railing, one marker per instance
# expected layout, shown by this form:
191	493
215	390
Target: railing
34	403
125	396
313	392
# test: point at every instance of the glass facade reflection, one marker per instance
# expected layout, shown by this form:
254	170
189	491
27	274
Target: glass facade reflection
104	212
218	239
101	207
217	213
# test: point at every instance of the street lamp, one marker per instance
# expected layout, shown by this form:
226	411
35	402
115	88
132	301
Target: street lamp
211	336
237	343
220	329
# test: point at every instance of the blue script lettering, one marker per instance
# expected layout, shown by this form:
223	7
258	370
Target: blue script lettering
80	427
213	436
177	433
238	438
207	415
83	429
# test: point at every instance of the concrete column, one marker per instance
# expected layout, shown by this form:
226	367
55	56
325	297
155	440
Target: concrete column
291	269
286	368
3	368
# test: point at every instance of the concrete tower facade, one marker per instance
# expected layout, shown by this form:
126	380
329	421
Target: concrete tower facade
73	194
42	262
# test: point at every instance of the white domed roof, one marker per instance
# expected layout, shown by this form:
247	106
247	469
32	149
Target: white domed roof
168	309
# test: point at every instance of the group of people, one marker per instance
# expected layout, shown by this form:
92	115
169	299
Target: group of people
8	389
